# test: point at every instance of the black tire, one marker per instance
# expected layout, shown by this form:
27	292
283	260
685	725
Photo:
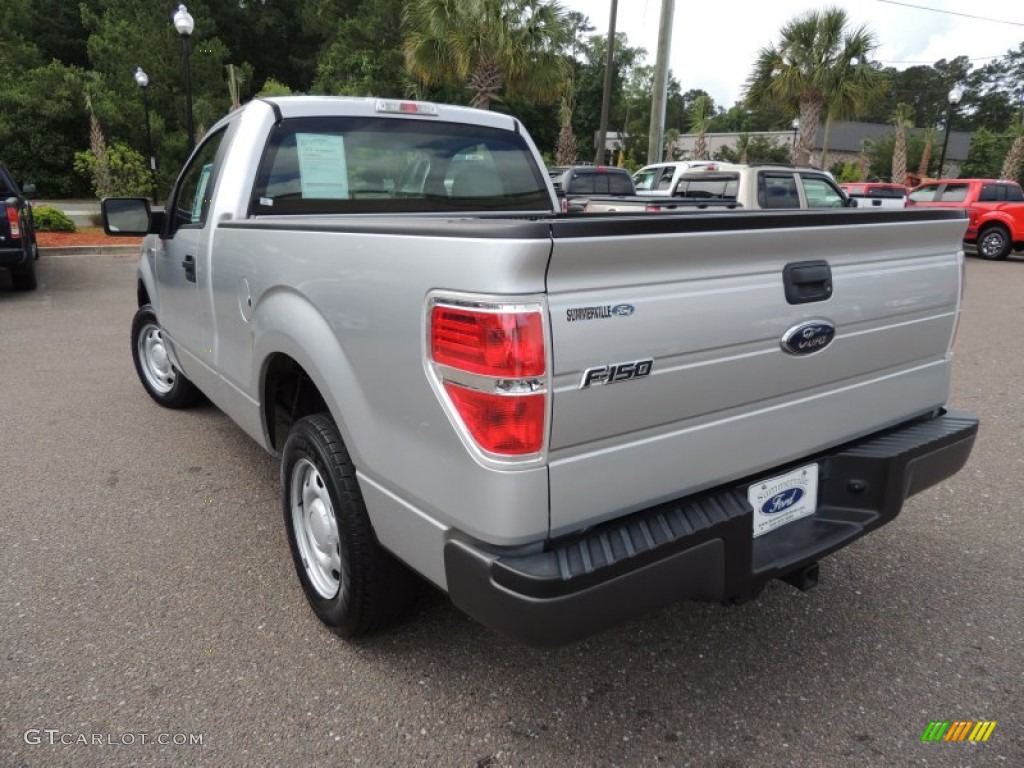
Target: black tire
351	583
994	242
23	278
165	383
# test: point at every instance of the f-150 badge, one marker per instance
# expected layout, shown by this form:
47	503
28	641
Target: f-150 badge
616	372
809	337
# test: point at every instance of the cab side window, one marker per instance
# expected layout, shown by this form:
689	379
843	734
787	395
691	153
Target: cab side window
195	190
778	191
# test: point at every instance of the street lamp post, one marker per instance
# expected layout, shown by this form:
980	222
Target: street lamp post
143	80
953	99
184	23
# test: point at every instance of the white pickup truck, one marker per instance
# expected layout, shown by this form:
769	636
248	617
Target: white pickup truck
560	420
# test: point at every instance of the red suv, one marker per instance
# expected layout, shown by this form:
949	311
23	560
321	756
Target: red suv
995	209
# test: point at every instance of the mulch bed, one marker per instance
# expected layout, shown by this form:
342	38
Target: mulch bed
84	236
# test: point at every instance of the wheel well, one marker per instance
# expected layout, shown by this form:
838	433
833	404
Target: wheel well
994	225
143	294
288	395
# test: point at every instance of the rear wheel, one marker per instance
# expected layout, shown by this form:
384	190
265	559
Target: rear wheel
352	584
153	362
994	242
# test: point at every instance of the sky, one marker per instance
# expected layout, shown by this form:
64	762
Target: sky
714	44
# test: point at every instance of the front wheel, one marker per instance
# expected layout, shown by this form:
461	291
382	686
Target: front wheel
154	364
994	242
352	584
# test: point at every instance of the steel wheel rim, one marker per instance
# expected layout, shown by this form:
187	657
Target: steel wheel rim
992	244
156	361
316	529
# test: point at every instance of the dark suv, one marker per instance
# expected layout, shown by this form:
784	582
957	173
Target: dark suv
18	249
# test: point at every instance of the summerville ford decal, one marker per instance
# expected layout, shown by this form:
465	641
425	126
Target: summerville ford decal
808	337
603	312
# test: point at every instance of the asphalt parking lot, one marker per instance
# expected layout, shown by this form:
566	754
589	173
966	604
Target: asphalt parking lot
148	600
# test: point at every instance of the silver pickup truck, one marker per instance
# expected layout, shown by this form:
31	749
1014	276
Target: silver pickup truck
560	420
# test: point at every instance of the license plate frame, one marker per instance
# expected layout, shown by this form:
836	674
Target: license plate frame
783	499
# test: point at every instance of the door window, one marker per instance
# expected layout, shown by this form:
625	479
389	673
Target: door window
820	193
195	188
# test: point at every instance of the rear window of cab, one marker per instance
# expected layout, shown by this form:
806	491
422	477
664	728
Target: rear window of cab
384	165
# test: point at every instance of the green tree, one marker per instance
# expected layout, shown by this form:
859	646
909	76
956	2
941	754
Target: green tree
754	149
986	155
818	63
495	48
43	123
364	55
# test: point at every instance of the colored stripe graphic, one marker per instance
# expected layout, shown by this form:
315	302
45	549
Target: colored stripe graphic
984	733
958	730
935	731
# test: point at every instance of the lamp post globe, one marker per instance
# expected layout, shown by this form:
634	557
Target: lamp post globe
185	25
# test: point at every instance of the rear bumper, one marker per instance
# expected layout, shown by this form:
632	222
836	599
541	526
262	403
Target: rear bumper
700	547
12	254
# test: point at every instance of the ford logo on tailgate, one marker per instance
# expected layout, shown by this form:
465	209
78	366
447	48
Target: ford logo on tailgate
780	502
809	337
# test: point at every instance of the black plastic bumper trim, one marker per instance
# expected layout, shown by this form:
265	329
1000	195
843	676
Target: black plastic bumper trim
700	547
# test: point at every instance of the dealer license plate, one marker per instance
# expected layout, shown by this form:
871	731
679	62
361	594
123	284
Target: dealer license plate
783	499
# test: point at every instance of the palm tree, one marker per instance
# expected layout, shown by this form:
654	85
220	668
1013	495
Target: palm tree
565	148
818	67
493	47
926	153
1011	165
902	118
702	107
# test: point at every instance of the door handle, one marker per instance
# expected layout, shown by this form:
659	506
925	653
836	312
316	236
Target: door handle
807	281
189	264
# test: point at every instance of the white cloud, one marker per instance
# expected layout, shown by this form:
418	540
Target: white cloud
714	44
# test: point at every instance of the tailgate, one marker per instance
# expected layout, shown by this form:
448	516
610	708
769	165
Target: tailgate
697	305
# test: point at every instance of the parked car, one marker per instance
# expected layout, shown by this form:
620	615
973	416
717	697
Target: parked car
18	248
659	179
578	183
871	194
995	211
561	421
757	187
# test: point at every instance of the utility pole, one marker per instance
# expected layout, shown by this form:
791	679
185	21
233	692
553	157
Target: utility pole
656	136
602	133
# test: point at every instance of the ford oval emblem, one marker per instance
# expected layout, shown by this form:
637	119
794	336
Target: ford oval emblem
623	310
780	502
807	338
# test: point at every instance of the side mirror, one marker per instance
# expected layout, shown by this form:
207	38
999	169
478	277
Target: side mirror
29	188
851	202
126	216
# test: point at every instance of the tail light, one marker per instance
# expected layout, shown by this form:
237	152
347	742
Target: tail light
12	221
489	360
649	208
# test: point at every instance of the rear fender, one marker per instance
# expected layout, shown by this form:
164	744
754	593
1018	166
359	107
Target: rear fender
276	318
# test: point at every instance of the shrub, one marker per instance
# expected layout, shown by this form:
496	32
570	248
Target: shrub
50	219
